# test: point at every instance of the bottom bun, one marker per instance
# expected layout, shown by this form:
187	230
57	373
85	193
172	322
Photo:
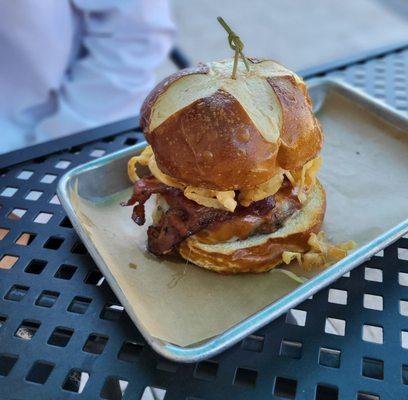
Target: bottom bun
261	253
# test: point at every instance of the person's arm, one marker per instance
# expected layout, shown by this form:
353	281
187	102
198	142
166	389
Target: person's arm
125	41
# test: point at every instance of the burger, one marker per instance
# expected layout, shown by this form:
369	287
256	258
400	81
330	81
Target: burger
232	164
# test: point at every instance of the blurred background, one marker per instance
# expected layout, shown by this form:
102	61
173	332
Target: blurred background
70	65
297	33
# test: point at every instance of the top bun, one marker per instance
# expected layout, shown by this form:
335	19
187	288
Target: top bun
209	130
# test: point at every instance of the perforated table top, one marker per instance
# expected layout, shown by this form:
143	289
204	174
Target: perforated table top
63	334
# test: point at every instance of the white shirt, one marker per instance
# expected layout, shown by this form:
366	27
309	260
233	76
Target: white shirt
49	89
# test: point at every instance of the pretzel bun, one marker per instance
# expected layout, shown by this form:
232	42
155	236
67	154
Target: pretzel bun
211	131
260	253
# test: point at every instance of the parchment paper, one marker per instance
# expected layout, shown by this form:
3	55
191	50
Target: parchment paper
365	174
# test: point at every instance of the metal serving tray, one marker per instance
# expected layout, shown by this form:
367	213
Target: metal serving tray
320	91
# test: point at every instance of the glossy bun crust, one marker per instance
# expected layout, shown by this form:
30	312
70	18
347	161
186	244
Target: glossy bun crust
211	131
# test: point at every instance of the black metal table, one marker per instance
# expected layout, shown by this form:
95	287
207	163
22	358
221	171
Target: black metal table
63	334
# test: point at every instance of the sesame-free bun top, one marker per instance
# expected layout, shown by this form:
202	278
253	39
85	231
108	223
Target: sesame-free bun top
209	130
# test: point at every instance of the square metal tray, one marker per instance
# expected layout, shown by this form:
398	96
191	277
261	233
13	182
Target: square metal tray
319	90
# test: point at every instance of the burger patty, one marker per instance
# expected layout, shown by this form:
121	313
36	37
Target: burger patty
246	222
185	217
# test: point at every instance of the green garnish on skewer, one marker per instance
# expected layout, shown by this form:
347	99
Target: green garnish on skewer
236	45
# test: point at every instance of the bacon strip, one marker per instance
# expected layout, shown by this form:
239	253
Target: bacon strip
185	217
142	190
